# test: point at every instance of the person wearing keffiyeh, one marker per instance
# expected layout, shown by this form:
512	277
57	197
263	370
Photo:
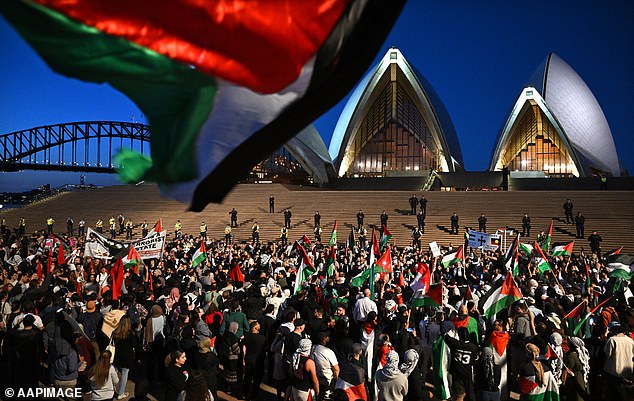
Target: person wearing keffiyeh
304	375
391	381
578	361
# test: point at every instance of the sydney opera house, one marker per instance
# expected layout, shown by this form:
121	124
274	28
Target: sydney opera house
395	126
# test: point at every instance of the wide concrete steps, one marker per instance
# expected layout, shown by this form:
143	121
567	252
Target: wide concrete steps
610	212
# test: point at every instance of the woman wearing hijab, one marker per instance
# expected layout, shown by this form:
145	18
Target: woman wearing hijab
231	357
535	377
172	300
410	368
578	362
154	342
304	374
391	381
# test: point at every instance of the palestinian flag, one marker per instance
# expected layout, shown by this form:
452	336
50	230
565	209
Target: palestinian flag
433	297
351	381
574	316
621	266
157	229
498	342
452	258
306	268
304	241
330	262
350	241
513	265
200	255
333	236
530	390
222	86
384	264
540	260
441	358
132	259
563	250
385	237
509	256
613	252
236	275
526	248
374	250
422	279
470	324
501	295
579	325
546	244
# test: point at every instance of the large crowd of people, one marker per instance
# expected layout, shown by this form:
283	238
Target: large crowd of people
291	316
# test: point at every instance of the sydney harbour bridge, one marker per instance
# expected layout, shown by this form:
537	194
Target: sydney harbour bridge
87	146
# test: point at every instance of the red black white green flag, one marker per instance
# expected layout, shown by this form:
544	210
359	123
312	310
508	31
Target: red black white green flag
433	297
500	296
223	84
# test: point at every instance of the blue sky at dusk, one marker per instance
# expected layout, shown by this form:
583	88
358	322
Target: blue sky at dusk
476	54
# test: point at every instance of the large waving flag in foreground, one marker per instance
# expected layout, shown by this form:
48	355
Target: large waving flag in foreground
223	84
501	295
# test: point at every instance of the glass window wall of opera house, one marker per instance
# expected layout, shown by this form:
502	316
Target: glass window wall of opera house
394	125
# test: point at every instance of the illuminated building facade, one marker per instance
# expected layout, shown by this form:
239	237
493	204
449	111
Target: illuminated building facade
394	124
556	128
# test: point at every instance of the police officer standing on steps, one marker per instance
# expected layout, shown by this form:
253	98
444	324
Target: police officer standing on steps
255	233
413	203
234	217
580	222
49	224
595	243
128	227
144	229
383	219
423	205
69	226
228	235
99	226
416	235
112	223
526	226
568	211
317	231
287	218
420	218
271	204
177	229
363	233
454	223
21	227
81	230
317	218
482	223
360	217
121	220
203	230
284	236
